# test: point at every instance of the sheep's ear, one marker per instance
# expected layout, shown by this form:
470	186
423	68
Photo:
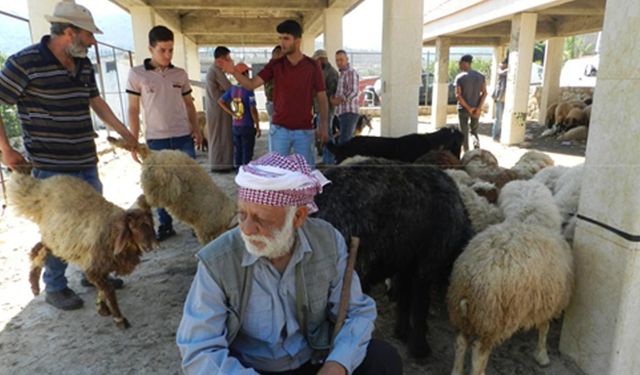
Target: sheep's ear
123	234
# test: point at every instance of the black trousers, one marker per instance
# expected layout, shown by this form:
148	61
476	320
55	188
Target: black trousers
381	359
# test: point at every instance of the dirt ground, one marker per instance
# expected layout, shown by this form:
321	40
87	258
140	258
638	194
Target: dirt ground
38	339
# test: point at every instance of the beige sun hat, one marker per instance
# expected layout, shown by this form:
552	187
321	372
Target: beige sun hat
68	11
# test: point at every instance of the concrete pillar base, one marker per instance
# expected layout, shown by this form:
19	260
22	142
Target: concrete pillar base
551	81
601	331
401	66
440	93
333	32
523	32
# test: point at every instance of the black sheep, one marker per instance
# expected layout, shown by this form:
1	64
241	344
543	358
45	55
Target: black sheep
412	225
406	148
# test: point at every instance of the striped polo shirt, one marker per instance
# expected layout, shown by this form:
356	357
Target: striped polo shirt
53	107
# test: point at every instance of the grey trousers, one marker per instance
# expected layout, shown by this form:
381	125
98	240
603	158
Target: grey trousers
468	123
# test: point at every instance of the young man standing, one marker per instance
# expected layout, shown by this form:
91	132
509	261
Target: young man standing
471	91
170	115
53	85
346	98
297	79
240	104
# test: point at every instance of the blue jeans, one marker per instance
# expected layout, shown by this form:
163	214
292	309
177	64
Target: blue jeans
269	106
244	140
348	122
55	267
497	125
283	139
184	144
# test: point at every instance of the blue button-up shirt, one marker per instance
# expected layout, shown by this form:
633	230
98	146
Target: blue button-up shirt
270	338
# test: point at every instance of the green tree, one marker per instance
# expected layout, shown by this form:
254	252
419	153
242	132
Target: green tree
8	113
575	47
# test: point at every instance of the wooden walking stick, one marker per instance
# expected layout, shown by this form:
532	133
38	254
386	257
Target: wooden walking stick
345	294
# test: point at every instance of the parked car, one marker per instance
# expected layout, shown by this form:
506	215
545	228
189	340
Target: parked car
371	93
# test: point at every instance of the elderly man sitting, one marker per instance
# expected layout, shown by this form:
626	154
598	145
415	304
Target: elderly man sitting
265	294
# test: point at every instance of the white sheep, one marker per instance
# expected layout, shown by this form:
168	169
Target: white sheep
531	163
549	176
514	275
481	213
81	227
172	180
567	197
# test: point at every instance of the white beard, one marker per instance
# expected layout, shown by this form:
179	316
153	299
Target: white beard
76	49
276	247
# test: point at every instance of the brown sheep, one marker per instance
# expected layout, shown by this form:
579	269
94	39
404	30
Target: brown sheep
563	109
171	180
202	125
81	227
442	159
550	119
575	117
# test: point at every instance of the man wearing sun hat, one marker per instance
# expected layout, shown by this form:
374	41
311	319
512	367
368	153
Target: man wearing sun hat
265	293
53	85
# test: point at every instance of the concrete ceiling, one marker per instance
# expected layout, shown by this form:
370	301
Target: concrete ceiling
488	23
239	22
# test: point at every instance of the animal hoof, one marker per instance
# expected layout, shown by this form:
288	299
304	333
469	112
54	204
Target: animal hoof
542	358
122	323
103	310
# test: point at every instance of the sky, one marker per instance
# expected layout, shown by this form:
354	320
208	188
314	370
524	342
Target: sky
362	27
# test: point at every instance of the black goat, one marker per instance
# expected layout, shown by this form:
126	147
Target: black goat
406	148
412	226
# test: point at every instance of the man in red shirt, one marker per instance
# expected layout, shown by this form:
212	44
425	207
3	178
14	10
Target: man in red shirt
297	79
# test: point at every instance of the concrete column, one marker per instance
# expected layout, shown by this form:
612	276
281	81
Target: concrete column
179	51
192	67
37	23
401	65
498	56
551	80
308	44
142	20
523	32
333	32
600	330
439	101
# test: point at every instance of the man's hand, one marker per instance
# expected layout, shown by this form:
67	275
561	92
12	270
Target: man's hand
475	112
258	131
322	134
332	368
335	101
12	158
226	64
197	137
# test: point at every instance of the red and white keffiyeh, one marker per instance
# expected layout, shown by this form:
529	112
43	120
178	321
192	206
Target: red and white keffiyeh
277	180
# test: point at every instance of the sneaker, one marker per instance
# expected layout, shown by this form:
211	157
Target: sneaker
164	232
66	299
115	281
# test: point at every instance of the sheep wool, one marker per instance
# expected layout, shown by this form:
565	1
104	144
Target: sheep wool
81	227
172	180
514	275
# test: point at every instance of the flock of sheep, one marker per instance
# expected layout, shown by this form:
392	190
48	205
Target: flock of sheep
568	120
498	238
